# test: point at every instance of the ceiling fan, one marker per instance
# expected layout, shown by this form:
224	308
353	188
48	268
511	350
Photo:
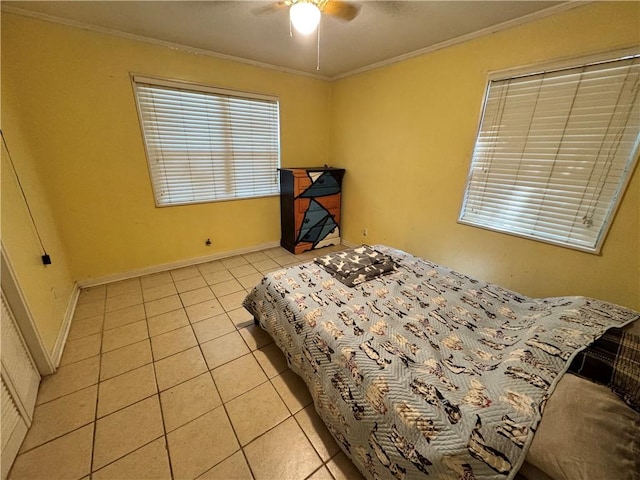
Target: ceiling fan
305	14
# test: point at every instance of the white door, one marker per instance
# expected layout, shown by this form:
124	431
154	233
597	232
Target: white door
20	381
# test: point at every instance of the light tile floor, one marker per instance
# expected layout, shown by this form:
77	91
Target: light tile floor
165	376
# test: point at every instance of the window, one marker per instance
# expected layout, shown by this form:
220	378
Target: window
554	153
205	144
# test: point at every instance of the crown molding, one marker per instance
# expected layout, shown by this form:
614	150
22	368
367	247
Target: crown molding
200	51
154	41
532	17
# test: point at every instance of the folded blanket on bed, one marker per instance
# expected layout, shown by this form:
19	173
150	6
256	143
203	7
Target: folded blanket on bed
426	371
613	360
357	265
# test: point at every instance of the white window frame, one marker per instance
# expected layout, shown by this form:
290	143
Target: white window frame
211	175
501	226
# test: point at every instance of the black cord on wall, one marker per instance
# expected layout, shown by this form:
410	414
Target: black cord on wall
46	259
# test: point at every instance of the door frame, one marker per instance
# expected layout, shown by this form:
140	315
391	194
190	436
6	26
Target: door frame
20	309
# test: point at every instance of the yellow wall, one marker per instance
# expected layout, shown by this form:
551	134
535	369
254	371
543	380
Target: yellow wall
405	134
77	109
47	289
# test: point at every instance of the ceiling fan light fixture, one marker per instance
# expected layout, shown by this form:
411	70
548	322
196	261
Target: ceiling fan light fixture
305	17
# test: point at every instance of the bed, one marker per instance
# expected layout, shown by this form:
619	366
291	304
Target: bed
419	371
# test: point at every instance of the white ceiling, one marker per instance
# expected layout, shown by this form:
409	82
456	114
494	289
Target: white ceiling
383	31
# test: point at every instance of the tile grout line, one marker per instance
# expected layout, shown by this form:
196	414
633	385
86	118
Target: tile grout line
212	380
65	395
157	393
323	463
293	415
125	455
237	328
95	415
155	376
223	402
92	471
290	413
210	372
61	435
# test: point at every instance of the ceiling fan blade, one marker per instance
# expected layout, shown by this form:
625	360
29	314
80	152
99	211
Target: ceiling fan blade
269	8
342	10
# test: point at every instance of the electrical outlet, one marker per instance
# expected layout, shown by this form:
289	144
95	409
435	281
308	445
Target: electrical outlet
365	232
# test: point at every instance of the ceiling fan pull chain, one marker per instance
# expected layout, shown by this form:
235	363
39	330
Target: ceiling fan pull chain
318	47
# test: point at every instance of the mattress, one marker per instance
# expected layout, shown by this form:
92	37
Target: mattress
422	370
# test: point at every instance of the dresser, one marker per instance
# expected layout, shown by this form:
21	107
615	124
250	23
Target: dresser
310	207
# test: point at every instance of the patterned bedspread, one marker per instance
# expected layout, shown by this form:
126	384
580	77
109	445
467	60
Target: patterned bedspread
425	371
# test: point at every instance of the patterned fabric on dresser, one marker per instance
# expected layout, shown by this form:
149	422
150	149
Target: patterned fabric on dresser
425	371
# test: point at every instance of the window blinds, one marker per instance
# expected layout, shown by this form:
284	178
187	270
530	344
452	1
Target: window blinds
554	153
205	144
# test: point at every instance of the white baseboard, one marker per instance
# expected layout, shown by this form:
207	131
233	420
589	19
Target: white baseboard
61	341
58	348
92	282
66	322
